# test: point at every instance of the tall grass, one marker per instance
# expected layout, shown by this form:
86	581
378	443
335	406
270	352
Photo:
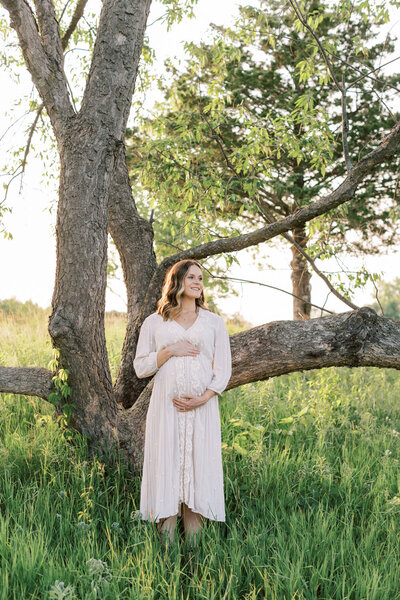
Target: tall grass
312	488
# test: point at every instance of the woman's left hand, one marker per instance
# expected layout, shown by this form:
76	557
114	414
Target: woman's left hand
188	402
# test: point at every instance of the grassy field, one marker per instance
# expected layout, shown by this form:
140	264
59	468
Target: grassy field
312	489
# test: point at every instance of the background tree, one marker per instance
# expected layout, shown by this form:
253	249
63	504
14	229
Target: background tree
95	197
388	293
249	132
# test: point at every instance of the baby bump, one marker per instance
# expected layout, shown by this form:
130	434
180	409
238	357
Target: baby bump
193	374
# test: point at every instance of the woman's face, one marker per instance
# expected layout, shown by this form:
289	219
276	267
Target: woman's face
193	282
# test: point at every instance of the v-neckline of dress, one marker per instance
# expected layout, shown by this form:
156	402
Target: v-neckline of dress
192	325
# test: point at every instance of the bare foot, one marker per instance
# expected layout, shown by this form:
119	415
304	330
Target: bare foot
192	523
166	527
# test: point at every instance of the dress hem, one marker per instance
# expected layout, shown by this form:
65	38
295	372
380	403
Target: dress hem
178	513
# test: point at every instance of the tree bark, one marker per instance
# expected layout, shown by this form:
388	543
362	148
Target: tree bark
133	237
30	381
351	339
301	276
76	324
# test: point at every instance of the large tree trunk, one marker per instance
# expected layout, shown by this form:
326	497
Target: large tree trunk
91	145
301	276
76	324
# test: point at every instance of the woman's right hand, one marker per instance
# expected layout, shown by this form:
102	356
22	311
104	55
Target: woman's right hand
184	348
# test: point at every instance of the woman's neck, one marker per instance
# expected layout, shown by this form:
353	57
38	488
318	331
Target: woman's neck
189	305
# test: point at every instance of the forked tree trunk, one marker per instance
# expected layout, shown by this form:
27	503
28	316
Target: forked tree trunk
301	276
90	144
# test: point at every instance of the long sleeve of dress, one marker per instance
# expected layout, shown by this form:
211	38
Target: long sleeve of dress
222	362
145	361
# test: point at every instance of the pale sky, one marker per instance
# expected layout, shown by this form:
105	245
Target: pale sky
27	262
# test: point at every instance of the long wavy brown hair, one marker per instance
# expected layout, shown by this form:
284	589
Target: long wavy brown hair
170	303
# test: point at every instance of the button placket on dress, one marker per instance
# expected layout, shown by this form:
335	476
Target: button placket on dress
186	419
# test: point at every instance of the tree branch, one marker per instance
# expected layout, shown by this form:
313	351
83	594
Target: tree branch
44	67
133	237
351	339
107	98
31	381
340	195
78	13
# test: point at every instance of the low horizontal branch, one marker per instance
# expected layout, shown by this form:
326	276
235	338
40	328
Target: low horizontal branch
30	381
352	339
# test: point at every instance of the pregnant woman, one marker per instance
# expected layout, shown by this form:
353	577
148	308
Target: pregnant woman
187	347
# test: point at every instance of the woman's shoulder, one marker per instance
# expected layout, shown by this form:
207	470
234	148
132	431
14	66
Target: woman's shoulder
213	317
153	318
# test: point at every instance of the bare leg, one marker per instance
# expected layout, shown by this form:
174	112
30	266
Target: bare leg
167	528
192	523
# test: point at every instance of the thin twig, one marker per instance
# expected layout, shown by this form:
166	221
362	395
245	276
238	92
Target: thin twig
273	287
14	123
63	11
377	296
29	142
78	13
374	71
376	292
326	300
7	187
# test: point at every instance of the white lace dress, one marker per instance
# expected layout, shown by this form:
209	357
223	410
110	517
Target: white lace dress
182	453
